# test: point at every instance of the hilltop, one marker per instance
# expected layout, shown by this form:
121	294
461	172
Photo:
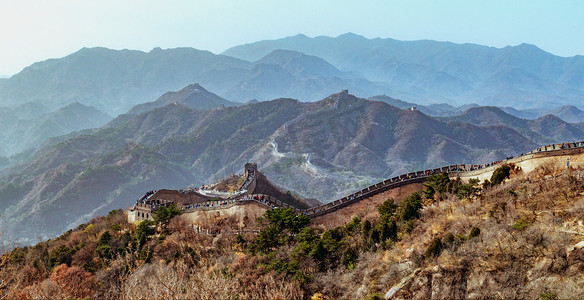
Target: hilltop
193	96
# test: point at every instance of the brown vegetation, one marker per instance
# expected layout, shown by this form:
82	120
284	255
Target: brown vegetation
518	239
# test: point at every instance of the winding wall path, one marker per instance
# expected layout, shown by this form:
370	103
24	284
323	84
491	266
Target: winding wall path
465	171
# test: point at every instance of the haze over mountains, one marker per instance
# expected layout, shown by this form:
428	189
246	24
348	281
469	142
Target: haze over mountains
29	125
523	75
204	126
307	69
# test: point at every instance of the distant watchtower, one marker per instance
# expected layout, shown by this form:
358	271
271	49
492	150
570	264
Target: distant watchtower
345	92
251	167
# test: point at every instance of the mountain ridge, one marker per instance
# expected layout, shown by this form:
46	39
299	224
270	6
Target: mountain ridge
193	96
23	129
320	150
476	71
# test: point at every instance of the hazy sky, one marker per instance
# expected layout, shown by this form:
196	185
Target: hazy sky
34	30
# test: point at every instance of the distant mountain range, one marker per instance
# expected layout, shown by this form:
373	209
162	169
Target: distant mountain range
64	159
115	81
27	126
567	113
321	150
307	69
523	75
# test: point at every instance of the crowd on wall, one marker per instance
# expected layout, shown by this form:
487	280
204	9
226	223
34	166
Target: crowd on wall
248	179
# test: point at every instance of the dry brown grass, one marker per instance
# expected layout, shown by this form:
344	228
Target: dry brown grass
526	226
506	260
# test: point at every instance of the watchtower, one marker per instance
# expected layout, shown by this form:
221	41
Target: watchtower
251	167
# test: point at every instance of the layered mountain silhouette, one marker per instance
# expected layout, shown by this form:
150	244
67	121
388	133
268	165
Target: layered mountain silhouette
29	125
320	150
568	113
115	81
542	130
307	69
421	70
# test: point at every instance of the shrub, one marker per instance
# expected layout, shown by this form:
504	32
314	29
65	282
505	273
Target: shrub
387	229
75	281
354	225
548	296
388	208
348	258
448	239
520	225
460	238
374	235
434	249
500	174
374	296
161	238
475	231
366	228
104	239
410	207
61	255
144	228
114	212
407	227
103	253
319	253
88	228
333	239
240	240
145	254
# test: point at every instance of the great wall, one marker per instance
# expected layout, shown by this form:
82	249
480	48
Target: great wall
192	200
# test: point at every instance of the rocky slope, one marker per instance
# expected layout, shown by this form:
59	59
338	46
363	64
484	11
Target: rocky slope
519	239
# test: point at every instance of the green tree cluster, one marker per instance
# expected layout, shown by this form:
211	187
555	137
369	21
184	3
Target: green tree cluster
162	215
438	185
279	225
500	174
